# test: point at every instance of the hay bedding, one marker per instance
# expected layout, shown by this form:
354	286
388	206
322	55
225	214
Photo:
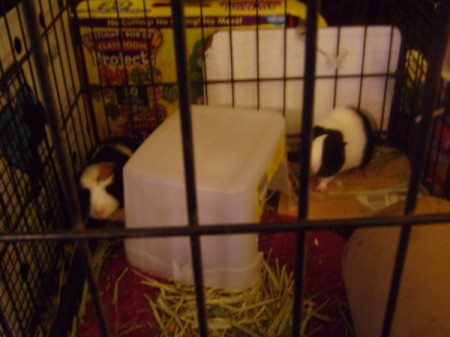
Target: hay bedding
134	305
127	299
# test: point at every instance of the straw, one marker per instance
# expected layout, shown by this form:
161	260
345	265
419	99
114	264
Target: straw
116	297
264	310
99	258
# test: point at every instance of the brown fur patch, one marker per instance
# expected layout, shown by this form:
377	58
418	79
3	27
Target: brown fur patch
105	171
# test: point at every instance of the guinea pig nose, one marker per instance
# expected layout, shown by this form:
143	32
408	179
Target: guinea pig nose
100	212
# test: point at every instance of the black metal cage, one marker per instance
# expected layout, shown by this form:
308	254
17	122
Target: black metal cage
48	128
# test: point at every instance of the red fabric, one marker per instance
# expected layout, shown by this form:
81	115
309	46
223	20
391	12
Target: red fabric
134	308
322	272
322	275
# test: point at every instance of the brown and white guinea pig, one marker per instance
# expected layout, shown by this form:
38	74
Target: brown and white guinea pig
343	140
101	181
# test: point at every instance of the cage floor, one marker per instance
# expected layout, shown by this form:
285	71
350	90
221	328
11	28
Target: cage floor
353	194
129	313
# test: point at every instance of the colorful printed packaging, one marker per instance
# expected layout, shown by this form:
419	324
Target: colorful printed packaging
130	59
439	162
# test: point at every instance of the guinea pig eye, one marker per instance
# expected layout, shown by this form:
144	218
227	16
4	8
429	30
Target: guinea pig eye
115	190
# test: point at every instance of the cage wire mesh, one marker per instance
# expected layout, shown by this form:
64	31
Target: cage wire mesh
30	183
417	32
133	103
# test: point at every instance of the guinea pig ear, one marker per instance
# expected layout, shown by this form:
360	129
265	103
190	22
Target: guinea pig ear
334	142
105	171
318	131
338	138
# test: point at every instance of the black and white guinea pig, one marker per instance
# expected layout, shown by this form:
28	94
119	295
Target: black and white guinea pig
343	140
101	181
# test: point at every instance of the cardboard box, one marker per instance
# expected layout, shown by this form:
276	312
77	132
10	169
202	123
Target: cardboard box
129	52
422	308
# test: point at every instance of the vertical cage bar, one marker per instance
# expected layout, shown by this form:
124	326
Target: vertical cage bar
75	114
154	99
336	71
307	121
103	84
61	152
230	31
67	182
433	155
445	188
386	83
308	106
362	75
429	99
188	156
85	260
258	80
69	297
83	77
49	29
430	93
204	79
130	116
285	58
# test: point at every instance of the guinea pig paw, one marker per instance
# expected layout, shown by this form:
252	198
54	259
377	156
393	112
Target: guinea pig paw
322	186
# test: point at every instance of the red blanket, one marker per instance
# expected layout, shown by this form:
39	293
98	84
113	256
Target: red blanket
322	279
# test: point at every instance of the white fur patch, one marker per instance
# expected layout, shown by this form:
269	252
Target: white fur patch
350	123
124	149
316	153
102	204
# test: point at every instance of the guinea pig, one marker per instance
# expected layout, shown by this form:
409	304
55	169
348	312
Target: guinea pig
101	181
343	140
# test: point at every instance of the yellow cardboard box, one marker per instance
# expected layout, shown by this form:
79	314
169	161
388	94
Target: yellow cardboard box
129	53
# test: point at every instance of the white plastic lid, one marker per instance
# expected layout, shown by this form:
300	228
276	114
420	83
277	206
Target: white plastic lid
231	148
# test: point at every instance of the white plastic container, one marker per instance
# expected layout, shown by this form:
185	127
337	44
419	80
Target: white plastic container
237	153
